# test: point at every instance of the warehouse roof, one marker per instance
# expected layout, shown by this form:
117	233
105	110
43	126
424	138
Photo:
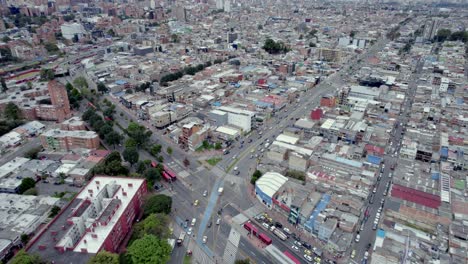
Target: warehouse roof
271	182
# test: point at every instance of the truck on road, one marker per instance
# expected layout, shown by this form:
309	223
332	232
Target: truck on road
181	238
280	234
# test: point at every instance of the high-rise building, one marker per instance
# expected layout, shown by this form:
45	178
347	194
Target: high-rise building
59	99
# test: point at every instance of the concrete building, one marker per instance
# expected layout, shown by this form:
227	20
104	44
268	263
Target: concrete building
72	31
239	117
218	118
330	55
324	227
73	124
98	218
64	140
21	214
142	51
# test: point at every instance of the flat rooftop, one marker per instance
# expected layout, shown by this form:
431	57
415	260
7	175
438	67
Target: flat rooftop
101	204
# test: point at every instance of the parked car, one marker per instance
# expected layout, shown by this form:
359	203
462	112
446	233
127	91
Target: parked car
307	245
295	248
205	193
278	225
308	258
218	221
204	239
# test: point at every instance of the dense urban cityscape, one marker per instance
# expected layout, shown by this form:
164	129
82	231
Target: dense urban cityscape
233	131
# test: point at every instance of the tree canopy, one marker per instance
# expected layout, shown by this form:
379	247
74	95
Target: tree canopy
274	47
149	249
138	133
104	257
158	203
26	183
131	155
12	112
154	224
22	257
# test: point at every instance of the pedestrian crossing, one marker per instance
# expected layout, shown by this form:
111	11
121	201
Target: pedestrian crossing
201	257
232	244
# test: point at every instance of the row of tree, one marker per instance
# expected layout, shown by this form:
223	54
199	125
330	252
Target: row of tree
191	70
103	127
446	34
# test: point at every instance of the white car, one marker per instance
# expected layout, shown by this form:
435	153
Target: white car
308	258
205	193
358	237
189	231
295	248
204	239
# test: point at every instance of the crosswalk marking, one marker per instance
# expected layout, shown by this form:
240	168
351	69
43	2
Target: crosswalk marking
232	244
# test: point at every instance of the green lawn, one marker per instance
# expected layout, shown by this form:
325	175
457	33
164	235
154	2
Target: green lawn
187	260
213	161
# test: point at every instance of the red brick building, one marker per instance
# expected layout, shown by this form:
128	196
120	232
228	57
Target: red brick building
328	101
98	218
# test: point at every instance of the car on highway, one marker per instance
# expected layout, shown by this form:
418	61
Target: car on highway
375	190
210	224
307	245
374	226
278	225
218	221
366	255
358	238
297	243
287	231
189	231
194	221
195	203
308	258
295	248
353	253
205	193
204	239
308	252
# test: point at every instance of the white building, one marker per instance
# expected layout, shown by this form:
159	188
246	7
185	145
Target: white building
70	30
239	117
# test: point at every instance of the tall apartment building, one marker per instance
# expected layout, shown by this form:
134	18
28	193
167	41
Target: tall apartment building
65	140
59	110
98	218
331	55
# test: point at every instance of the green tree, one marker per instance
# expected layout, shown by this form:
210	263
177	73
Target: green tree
218	146
141	167
6	39
158	203
88	114
131	155
138	133
169	150
80	82
101	87
104	130
160	158
26	184
155	150
154	224
109	112
150	249
25	258
152	175
54	211
51	48
12	112
242	261
24	239
32	153
113	156
442	35
104	257
274	47
69	86
130	143
4	85
47	74
255	176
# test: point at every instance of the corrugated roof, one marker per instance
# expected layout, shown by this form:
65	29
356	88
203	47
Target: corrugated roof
416	196
271	182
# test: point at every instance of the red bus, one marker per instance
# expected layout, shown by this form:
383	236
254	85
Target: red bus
264	238
170	173
154	164
291	257
166	177
252	229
